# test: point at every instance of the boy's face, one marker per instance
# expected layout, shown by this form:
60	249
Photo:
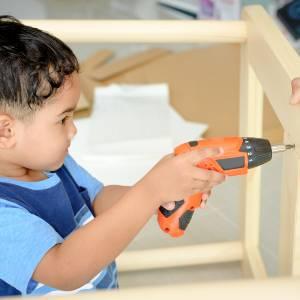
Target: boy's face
42	144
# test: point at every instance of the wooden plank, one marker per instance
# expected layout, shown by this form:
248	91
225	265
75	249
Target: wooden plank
99	58
180	256
127	31
253	264
122	65
251	124
289	241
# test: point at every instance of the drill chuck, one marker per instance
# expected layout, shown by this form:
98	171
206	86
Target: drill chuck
259	151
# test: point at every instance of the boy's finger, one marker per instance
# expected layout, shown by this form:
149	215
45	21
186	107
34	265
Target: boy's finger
203	203
208	175
200	154
204	196
207	194
169	205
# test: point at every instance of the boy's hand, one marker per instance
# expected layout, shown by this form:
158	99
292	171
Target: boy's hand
205	196
177	177
295	97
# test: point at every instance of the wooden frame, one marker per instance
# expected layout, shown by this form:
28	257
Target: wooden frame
268	63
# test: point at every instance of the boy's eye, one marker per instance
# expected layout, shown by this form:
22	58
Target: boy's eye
63	120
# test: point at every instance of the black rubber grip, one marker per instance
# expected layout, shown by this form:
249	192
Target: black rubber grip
185	219
231	163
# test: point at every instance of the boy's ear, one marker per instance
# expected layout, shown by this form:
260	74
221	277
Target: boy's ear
7	132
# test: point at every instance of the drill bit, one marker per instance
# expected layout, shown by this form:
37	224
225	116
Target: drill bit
281	148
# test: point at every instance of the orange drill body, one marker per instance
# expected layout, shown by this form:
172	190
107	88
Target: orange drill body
239	155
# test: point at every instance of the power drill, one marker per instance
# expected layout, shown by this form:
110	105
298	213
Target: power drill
240	154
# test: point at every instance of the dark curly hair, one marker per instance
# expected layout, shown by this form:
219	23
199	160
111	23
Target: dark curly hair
33	65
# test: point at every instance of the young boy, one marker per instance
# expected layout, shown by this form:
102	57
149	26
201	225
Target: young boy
60	228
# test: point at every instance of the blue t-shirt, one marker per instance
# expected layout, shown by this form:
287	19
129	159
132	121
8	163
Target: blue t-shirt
35	216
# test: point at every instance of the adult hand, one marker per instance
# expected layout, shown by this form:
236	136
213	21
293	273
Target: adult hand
295	97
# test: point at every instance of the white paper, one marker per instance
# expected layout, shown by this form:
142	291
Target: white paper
133	120
124	113
130	129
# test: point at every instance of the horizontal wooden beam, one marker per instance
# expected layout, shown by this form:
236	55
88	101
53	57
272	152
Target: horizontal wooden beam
180	256
128	31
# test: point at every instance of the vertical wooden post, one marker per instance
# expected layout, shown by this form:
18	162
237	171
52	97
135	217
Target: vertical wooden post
251	116
275	63
289	241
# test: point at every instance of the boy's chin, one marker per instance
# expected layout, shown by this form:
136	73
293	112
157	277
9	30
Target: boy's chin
55	167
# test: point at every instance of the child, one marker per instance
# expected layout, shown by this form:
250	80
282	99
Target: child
60	228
